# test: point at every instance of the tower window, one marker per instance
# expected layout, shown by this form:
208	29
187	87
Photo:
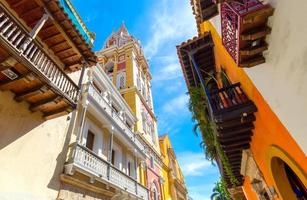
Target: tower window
152	162
121	80
109	67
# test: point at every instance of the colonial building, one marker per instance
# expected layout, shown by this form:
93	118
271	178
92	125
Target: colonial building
174	187
249	61
43	46
105	156
123	60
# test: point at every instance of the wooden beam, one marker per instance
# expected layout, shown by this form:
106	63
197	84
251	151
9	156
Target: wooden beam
37	106
51	37
234	140
6	83
61	29
56	113
18	3
230	150
57	44
31	92
29	12
48	28
67	57
63	50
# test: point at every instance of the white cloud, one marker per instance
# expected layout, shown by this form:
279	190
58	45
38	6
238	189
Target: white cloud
178	104
194	164
172	21
201	191
168	72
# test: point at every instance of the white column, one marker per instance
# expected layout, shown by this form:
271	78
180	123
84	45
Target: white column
83	116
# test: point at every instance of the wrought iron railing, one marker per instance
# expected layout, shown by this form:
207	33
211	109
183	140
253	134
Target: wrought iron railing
37	60
90	162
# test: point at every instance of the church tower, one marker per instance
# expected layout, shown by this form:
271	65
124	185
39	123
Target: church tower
124	62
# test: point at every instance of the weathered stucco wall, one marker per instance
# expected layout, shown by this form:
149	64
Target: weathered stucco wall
31	151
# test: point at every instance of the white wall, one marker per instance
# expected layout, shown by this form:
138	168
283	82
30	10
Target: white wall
31	151
282	80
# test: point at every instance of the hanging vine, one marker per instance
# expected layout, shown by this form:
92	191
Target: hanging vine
198	105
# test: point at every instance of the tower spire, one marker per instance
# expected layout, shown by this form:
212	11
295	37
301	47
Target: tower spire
123	28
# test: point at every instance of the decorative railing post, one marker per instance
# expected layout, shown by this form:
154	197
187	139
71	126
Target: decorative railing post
34	32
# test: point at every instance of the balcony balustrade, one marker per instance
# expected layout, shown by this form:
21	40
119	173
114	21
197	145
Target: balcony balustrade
233	113
115	116
244	30
86	160
36	61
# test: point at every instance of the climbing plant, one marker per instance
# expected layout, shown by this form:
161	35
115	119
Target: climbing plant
220	191
198	105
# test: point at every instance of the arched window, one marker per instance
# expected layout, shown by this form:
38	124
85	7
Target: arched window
109	68
152	132
154	192
121	80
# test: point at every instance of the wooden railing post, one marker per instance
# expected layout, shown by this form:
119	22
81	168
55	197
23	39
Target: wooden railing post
34	31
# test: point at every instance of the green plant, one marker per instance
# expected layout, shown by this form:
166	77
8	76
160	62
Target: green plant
220	191
198	105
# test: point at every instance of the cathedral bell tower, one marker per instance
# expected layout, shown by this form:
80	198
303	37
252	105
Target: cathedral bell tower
124	62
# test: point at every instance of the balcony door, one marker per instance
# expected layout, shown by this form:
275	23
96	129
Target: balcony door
130	167
93	138
90	140
117	156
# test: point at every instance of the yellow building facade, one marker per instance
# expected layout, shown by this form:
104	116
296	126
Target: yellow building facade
174	186
250	44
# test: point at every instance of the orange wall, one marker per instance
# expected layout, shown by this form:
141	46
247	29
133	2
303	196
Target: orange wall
268	128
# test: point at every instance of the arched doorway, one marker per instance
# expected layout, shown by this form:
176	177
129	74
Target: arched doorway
296	184
290	180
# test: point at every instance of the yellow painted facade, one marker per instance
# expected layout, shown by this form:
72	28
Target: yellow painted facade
174	186
279	144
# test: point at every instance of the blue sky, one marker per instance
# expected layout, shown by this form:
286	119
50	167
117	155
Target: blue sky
160	25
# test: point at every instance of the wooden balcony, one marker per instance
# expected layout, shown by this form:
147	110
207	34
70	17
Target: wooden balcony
244	30
31	73
233	113
202	50
86	161
204	9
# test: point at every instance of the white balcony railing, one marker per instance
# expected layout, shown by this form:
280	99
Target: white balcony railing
115	116
90	162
